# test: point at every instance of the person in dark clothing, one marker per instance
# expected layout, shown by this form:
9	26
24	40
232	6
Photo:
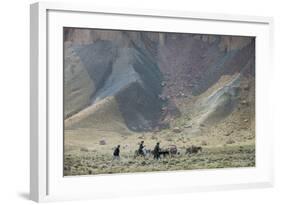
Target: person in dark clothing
156	151
141	152
116	153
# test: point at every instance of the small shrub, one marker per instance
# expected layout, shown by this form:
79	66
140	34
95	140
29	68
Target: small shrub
84	149
143	163
102	142
230	141
154	137
204	143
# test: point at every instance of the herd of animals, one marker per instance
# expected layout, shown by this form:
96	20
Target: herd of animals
157	152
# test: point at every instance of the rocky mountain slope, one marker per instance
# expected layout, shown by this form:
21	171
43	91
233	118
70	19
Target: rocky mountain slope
149	81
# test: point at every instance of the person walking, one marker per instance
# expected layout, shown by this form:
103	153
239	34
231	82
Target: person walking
116	153
141	147
156	151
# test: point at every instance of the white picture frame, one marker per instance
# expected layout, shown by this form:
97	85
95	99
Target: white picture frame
46	178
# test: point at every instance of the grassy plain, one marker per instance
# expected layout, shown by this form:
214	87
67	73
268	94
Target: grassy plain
94	158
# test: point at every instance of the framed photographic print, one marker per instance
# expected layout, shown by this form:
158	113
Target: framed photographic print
147	101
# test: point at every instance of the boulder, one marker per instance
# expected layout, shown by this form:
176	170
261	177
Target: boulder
204	143
230	141
244	102
229	133
246	120
176	130
102	142
246	87
188	126
164	108
202	125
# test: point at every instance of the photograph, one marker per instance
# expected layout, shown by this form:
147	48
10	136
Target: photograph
147	101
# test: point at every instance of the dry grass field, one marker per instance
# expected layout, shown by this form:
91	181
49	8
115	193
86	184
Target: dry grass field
97	159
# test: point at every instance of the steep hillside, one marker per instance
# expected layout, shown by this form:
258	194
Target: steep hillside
103	116
192	63
78	86
129	74
155	78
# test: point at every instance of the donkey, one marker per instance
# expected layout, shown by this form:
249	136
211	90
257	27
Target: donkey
193	150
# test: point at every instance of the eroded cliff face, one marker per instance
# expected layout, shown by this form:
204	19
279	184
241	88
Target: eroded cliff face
150	77
78	86
119	66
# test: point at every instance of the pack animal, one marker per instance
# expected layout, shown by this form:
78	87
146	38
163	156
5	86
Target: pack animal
145	153
164	153
193	149
173	150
